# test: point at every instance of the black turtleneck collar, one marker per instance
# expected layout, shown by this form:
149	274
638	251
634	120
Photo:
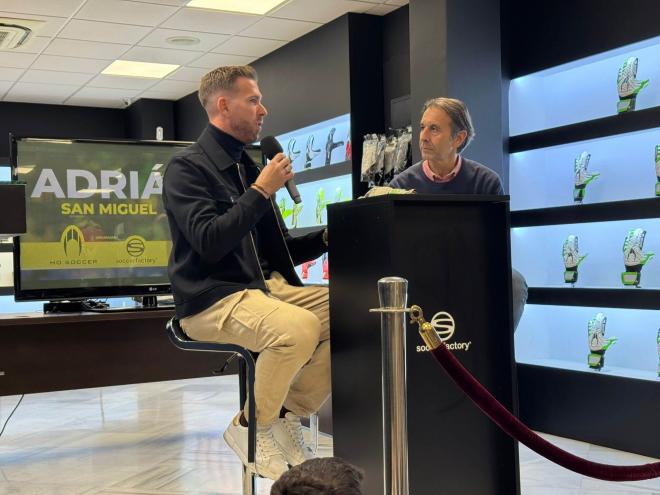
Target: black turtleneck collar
230	144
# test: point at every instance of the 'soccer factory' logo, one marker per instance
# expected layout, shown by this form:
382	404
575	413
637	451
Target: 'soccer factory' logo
444	325
135	246
72	241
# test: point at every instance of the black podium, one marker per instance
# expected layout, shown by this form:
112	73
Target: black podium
454	252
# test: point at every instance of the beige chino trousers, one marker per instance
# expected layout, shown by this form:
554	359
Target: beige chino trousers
289	328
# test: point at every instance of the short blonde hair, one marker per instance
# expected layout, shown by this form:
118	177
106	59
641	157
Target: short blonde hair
222	78
458	114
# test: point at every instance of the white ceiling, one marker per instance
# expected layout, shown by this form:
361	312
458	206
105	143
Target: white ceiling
62	63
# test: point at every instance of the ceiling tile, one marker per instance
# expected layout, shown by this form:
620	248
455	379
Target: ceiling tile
121	11
61	8
315	11
52	77
279	29
10	74
40	93
159	55
163	95
16	60
382	9
103	31
213	60
86	49
52	26
102	97
397	2
35	45
70	64
176	3
242	45
190	74
168	86
209	21
119	82
158	38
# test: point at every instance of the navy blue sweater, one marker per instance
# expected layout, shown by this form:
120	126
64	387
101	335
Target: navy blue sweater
472	178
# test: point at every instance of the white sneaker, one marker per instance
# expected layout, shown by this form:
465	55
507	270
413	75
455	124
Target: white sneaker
288	434
270	462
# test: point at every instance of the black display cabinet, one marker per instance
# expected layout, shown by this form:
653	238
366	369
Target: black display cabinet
454	252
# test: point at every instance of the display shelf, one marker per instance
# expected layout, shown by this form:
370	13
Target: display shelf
631	298
6	291
6	247
305	230
322	173
584	213
607	370
607	126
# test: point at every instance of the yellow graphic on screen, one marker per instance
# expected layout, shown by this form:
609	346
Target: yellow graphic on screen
72	240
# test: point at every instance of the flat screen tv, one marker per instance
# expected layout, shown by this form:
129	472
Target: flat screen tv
96	226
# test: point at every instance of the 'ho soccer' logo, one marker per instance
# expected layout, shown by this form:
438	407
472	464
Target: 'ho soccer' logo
135	246
72	240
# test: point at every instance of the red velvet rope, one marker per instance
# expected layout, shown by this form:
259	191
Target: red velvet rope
516	429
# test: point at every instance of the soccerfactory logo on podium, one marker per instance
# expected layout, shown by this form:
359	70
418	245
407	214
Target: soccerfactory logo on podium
444	326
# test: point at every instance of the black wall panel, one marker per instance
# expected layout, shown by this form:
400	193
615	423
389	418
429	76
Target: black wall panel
544	34
396	67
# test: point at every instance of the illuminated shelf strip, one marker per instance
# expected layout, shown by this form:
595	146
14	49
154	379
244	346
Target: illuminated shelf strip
607	126
632	209
629	298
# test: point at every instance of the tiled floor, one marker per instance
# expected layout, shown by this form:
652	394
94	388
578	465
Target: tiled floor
163	439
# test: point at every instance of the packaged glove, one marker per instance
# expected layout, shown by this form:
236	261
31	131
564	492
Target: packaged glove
582	176
634	257
657	170
572	259
284	211
598	344
321	203
628	85
295	214
368	157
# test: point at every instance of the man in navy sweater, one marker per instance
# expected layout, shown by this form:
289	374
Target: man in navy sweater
444	132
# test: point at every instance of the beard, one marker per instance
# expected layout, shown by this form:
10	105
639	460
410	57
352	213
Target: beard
245	131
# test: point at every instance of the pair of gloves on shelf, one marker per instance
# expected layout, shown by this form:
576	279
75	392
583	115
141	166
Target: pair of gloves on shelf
634	257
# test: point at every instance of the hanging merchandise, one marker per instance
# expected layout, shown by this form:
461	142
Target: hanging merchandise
385	155
598	344
321	204
297	209
634	257
582	177
330	145
572	259
628	85
284	211
348	155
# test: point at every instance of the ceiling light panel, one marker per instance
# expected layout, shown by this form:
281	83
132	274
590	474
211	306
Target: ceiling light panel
259	7
138	69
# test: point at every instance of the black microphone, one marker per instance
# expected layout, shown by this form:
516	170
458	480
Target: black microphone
271	147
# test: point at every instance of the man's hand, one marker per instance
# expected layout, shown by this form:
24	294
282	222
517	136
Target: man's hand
275	174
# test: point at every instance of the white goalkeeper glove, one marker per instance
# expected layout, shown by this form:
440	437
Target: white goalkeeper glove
598	344
582	177
628	85
572	259
634	257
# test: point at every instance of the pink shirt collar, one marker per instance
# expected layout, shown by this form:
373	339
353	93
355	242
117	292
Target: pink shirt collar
433	177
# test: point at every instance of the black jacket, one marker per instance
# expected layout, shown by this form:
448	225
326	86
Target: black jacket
211	219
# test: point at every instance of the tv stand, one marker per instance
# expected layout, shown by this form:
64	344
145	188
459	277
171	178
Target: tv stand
147	303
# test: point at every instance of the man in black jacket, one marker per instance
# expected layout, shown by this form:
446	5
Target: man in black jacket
232	269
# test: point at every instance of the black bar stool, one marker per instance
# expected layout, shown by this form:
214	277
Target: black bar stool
246	373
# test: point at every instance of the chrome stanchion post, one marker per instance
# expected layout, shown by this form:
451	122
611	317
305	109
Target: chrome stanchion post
393	294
